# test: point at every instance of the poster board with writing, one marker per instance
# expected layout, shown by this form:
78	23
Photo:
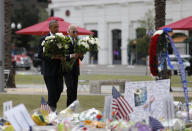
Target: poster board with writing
146	98
108	108
19	118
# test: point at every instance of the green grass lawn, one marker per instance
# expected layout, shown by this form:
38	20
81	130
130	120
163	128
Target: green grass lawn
38	79
33	101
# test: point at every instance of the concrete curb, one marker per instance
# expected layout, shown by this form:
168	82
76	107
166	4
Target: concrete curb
82	90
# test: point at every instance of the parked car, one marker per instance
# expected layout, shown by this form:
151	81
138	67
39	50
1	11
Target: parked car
36	61
20	59
186	63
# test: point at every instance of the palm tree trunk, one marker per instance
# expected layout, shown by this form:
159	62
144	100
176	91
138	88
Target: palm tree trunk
7	45
160	12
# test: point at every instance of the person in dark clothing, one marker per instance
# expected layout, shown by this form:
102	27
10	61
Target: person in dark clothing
71	77
51	70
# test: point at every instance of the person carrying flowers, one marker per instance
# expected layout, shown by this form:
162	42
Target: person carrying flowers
71	74
51	64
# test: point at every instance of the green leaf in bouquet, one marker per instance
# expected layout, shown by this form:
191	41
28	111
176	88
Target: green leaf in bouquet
56	45
93	48
67	65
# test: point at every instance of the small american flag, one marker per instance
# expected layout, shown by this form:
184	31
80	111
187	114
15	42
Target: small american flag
120	106
155	124
44	106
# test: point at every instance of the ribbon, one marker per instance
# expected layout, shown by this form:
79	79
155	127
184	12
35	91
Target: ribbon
162	59
168	61
181	67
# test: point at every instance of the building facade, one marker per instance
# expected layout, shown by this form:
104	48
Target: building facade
114	22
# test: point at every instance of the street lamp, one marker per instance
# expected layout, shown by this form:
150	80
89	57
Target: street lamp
14	27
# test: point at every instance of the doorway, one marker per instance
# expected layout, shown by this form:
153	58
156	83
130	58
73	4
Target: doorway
116	46
93	59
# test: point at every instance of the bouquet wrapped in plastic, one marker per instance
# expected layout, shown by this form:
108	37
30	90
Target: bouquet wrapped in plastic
55	45
68	112
91	43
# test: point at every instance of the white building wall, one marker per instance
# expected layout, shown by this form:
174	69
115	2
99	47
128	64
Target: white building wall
106	15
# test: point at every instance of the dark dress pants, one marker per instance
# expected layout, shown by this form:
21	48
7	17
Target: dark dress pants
71	81
55	87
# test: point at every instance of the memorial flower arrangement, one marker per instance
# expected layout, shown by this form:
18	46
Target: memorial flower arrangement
55	45
153	57
93	43
82	46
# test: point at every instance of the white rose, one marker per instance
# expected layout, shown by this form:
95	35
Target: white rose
47	38
60	35
66	46
82	43
91	41
52	37
59	45
43	43
43	49
87	46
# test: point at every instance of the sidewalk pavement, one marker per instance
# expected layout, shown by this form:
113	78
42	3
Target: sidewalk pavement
82	90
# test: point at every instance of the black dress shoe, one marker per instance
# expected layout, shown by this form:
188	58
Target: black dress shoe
53	109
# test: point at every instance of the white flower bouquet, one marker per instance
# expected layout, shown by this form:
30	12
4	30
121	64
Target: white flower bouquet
81	47
55	45
93	43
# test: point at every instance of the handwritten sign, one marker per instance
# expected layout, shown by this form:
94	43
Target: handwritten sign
19	118
108	108
7	106
147	98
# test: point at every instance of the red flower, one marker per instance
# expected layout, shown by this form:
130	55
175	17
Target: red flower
99	116
153	58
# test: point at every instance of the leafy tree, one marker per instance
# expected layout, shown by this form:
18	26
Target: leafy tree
140	47
147	21
27	16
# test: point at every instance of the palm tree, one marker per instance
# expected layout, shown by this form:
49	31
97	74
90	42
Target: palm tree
160	12
7	44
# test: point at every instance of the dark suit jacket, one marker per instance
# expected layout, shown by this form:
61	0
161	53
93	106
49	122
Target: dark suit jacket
75	70
50	67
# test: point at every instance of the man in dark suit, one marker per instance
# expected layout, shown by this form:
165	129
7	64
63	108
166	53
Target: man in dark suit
71	77
51	71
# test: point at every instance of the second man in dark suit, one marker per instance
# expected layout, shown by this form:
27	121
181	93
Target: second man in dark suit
71	77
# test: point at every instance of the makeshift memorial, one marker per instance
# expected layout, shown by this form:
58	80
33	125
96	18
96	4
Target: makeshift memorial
159	59
146	98
92	120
